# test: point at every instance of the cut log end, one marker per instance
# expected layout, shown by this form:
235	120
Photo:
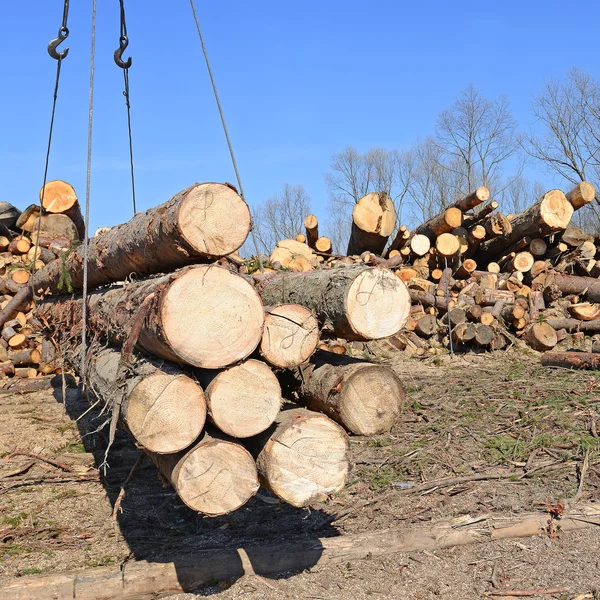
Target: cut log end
377	304
214	219
375	213
58	196
541	337
244	400
290	337
555	210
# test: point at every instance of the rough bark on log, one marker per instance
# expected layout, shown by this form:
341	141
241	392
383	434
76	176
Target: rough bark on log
215	477
290	335
572	360
573	284
59	197
373	221
302	458
206	220
357	303
56	226
204	316
574	325
364	397
163	408
243	400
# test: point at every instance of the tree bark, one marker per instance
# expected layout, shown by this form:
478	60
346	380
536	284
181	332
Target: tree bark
356	303
303	458
572	360
574	325
365	398
243	400
204	316
373	221
290	335
206	220
574	284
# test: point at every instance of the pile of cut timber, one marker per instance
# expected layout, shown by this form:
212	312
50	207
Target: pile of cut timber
190	351
478	279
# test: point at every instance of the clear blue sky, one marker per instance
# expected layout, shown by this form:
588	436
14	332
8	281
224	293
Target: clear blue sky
299	81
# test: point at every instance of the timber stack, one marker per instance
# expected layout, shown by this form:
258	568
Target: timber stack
194	353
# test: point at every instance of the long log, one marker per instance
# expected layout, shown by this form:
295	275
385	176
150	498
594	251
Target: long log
373	221
475	198
163	408
204	316
303	458
215	477
356	302
572	360
290	335
549	214
574	325
365	398
243	400
205	220
445	222
574	284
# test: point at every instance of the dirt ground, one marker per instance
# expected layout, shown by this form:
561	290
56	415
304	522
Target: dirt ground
472	414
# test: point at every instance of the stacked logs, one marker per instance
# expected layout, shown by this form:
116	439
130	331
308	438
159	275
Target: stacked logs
193	353
477	278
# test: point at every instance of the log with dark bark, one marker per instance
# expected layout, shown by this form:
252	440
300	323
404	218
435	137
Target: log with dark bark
572	360
206	220
573	284
574	325
163	408
204	316
59	197
215	477
290	335
357	302
243	400
365	398
373	221
302	458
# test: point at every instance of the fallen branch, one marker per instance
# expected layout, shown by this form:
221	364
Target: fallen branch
520	593
119	499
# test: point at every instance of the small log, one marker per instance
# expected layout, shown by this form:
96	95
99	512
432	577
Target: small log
489	297
522	262
59	197
497	225
363	397
469	202
541	337
426	325
243	400
463	333
572	360
447	245
301	238
420	245
399	241
290	336
584	311
311	224
581	194
303	458
20	276
484	335
538	247
444	222
323	245
25	358
356	303
57	226
214	478
19	245
465	270
27	218
294	255
480	215
373	221
574	284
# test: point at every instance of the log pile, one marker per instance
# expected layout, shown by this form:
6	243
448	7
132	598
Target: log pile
194	354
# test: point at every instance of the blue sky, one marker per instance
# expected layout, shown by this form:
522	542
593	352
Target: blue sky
298	81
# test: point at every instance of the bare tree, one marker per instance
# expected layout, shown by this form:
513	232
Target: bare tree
567	136
476	136
520	193
281	216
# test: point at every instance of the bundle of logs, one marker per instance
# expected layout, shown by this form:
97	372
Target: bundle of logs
195	358
478	279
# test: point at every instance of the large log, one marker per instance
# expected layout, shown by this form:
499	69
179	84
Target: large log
163	408
290	335
303	458
59	197
549	214
204	316
243	400
357	302
574	284
205	220
572	360
373	221
365	398
215	477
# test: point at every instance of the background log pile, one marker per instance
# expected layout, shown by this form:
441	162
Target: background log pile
193	354
478	279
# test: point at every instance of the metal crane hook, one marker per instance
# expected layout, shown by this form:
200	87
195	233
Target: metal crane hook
123	43
63	34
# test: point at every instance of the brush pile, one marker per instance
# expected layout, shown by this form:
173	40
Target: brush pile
194	357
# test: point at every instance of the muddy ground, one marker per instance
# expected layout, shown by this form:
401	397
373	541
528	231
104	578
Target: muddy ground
472	414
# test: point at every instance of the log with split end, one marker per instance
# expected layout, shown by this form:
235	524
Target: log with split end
373	221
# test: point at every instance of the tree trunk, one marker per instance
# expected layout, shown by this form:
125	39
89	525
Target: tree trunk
551	213
373	221
290	335
162	407
215	477
365	398
243	400
572	360
206	220
445	222
59	197
357	302
303	458
204	316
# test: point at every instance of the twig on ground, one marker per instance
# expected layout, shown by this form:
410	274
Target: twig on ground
582	473
50	461
520	593
119	499
19	471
